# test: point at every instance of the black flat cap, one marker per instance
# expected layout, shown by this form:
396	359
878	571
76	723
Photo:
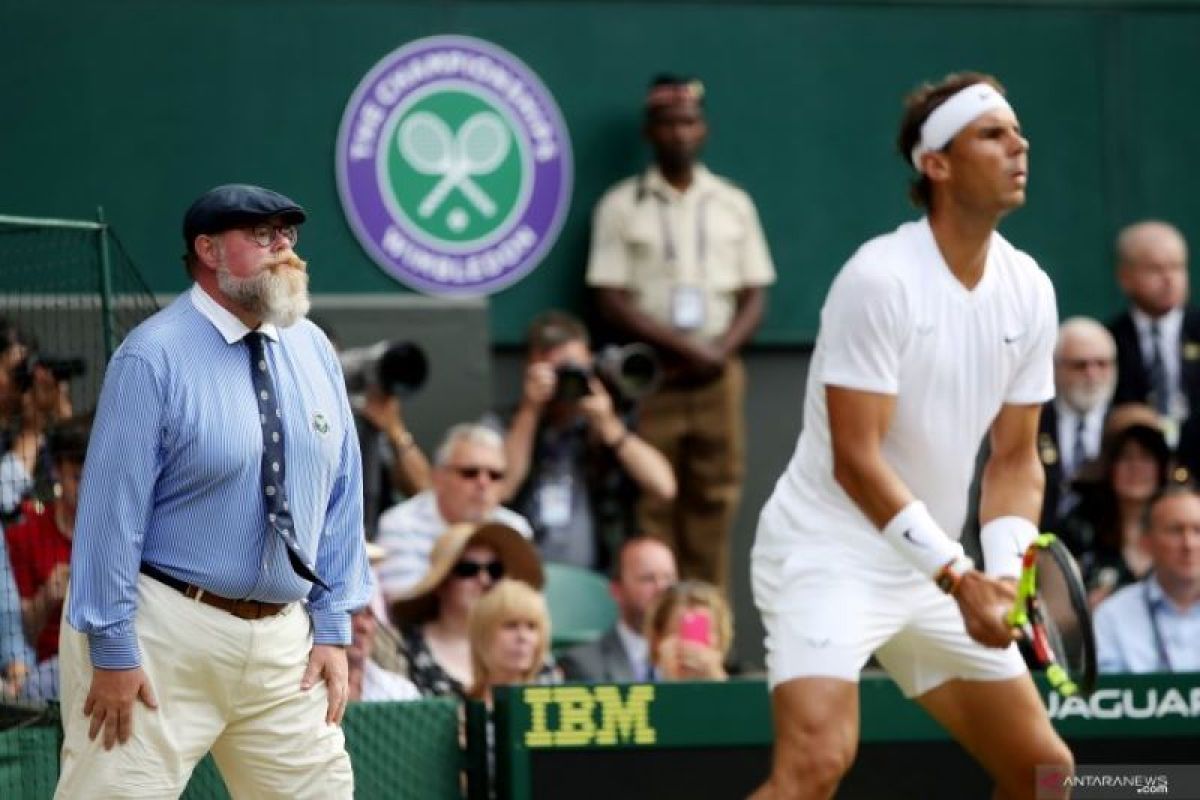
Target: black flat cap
234	205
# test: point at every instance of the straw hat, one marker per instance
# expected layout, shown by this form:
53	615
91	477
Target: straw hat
520	561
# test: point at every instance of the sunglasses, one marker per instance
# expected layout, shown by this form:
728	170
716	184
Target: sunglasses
469	569
471	473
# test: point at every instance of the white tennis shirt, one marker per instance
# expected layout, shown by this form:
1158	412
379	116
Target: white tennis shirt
896	321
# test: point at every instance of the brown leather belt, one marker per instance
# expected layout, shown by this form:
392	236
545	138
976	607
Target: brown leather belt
242	609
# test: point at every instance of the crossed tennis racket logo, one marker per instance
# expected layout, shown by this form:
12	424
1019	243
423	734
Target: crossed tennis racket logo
476	149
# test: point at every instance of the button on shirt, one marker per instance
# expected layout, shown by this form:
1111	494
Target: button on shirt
173	476
1125	640
711	230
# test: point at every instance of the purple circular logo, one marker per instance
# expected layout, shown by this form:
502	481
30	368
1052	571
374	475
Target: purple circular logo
454	166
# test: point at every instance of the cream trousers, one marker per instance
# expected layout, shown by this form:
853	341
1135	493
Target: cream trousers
223	684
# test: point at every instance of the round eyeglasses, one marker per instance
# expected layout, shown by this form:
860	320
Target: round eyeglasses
264	235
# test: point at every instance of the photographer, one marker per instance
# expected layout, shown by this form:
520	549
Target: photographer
575	462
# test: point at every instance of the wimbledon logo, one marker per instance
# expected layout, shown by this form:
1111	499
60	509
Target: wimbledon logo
454	166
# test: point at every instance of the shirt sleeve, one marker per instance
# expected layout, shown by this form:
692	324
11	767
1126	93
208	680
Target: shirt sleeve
341	551
13	646
116	498
861	330
1033	382
608	263
757	267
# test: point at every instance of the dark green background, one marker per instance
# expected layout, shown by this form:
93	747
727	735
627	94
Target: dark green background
139	106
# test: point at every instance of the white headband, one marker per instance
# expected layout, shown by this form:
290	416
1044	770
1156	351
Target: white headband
960	110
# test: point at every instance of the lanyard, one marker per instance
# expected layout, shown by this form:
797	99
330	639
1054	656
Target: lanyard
670	253
1160	644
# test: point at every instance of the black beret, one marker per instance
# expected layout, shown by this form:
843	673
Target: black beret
234	205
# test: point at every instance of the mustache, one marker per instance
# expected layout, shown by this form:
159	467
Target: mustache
287	259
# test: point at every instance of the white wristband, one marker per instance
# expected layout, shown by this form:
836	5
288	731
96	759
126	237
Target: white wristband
1004	541
917	537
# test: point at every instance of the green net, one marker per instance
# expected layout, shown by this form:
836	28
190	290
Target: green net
68	293
399	751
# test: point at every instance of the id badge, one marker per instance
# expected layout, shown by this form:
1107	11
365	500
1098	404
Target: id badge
687	307
554	502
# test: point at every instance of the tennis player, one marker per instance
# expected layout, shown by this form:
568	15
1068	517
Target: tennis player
931	337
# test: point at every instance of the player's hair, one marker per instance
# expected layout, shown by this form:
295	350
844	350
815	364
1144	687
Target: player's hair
918	105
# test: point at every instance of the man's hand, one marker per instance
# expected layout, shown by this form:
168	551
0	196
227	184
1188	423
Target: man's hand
597	408
540	382
984	602
328	661
110	702
14	677
703	359
382	410
55	587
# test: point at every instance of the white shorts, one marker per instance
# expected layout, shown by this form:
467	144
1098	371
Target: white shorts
825	615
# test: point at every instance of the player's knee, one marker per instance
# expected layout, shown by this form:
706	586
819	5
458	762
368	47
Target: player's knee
813	771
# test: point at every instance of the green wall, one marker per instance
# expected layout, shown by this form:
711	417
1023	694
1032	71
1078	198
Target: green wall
138	106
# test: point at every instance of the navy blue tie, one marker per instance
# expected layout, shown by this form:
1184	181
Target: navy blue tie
279	516
1160	391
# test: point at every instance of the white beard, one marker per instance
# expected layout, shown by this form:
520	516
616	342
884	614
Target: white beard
279	296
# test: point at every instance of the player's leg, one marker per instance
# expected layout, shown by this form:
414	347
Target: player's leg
1004	726
983	696
278	745
822	621
816	736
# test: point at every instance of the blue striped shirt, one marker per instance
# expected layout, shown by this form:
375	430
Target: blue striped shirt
172	476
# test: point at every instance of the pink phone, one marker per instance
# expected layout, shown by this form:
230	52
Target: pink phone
696	626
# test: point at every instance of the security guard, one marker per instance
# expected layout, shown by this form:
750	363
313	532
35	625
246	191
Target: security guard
679	261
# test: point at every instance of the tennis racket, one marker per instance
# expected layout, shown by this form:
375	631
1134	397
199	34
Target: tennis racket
1051	612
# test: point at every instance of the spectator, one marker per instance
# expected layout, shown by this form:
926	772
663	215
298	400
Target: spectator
16	655
468	473
575	464
1073	422
1154	625
26	469
679	260
1105	530
690	631
40	547
645	569
466	561
368	681
509	634
1158	337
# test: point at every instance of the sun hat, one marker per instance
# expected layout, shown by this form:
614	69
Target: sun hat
520	560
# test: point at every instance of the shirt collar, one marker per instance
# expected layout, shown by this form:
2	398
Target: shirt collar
702	182
1168	324
231	328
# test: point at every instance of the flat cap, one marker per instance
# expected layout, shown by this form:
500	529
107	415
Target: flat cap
236	204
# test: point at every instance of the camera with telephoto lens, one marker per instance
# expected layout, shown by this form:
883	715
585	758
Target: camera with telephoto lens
397	368
631	372
63	369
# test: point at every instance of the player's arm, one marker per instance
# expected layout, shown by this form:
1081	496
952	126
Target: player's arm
858	421
1011	490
